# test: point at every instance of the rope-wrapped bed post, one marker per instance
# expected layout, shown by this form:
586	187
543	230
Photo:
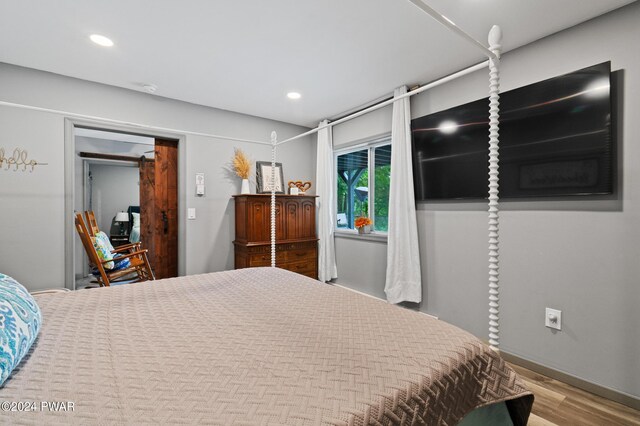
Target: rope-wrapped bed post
272	179
495	38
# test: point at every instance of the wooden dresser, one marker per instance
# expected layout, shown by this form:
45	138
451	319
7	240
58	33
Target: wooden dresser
296	240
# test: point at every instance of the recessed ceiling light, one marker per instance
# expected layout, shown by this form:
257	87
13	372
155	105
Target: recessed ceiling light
294	95
101	40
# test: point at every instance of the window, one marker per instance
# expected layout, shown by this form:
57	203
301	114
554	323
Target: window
359	192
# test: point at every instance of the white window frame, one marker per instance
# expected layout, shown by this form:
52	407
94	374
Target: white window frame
369	145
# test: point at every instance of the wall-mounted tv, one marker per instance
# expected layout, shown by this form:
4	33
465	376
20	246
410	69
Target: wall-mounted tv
555	141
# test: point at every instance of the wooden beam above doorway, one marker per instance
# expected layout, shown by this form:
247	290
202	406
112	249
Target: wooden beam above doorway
113	157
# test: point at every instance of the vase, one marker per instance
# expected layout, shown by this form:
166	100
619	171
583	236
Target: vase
364	229
245	187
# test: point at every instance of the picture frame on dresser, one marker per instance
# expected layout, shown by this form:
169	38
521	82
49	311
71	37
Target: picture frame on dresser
263	177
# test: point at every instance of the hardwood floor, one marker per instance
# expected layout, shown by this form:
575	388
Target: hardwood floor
558	403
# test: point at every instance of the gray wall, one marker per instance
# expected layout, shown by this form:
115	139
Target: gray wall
581	257
102	146
114	188
33	213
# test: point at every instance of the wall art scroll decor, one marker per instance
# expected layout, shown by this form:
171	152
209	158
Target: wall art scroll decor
18	161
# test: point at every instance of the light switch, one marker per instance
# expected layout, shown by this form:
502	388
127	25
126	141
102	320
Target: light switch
191	213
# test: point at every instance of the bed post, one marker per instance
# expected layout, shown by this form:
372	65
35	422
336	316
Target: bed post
495	39
274	141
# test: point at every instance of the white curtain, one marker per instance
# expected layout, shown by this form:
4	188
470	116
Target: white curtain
403	257
325	189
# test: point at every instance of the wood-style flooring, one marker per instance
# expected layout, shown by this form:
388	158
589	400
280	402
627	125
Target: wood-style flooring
558	403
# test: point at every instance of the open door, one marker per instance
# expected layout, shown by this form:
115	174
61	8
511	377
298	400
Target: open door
159	208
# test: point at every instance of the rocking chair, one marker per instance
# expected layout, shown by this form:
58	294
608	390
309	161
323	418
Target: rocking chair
137	270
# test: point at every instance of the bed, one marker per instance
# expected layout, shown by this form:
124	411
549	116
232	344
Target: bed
134	223
254	346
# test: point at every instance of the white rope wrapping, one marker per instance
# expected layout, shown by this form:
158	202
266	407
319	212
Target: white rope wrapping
274	142
495	37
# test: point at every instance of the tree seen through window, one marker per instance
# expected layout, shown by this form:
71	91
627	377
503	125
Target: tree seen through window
353	193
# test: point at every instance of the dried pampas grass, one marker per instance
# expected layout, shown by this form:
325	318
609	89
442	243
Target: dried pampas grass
241	164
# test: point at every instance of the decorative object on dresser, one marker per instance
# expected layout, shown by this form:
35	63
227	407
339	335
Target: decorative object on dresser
296	240
242	168
298	187
263	177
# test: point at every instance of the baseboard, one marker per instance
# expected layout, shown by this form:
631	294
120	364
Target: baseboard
608	393
377	298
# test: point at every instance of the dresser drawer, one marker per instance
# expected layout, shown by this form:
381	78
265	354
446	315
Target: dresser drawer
264	259
301	254
305	267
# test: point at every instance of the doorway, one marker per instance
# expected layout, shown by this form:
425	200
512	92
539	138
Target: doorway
131	184
110	189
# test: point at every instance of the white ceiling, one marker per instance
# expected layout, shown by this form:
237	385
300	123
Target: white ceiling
246	55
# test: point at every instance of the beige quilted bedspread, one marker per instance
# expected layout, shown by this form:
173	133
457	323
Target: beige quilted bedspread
251	347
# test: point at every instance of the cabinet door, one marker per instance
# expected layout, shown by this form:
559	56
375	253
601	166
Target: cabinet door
241	218
292	222
280	221
308	218
257	221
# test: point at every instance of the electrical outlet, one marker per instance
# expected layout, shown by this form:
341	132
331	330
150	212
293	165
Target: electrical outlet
553	318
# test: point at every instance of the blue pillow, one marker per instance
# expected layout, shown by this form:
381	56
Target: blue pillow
20	321
119	264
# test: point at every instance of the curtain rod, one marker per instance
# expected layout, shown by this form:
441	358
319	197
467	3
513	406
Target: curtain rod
128	123
392	100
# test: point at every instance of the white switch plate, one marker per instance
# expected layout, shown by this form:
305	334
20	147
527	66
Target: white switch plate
191	213
553	318
199	186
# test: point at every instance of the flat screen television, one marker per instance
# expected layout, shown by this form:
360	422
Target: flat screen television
555	141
